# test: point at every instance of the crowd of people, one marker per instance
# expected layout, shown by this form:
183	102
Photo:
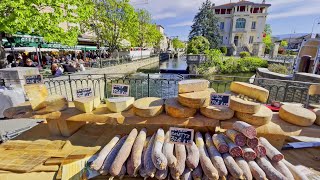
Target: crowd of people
58	62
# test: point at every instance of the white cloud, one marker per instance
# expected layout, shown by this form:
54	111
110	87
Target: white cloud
164	15
181	24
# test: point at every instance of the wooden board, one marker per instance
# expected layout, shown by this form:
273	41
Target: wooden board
41	144
21	160
280	127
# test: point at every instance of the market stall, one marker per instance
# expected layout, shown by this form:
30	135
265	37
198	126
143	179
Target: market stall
198	134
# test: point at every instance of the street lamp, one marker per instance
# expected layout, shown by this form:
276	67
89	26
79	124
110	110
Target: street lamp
314	22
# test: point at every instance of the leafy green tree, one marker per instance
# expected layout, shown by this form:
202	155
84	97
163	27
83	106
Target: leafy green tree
284	43
267	29
112	22
205	24
177	44
153	36
44	18
268	43
198	45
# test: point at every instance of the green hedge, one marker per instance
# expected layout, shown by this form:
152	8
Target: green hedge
244	54
278	68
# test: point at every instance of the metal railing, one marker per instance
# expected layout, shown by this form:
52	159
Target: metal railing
166	85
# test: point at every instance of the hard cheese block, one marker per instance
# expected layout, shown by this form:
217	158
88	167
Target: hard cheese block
263	116
250	90
175	109
87	104
37	94
193	85
119	104
53	103
217	112
317	121
196	99
148	107
297	115
240	105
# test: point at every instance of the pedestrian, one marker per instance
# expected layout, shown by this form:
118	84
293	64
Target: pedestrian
29	63
56	72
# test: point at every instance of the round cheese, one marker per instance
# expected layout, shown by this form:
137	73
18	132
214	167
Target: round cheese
217	112
193	85
240	105
148	107
255	92
317	121
175	109
119	104
297	115
196	99
263	116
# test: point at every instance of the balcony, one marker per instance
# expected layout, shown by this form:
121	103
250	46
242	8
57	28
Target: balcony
237	30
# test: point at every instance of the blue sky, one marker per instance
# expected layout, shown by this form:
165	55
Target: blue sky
285	16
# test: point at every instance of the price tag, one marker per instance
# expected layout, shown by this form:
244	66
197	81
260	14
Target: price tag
84	92
33	79
181	135
217	99
120	89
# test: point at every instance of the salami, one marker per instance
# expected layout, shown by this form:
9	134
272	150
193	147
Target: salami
192	156
252	143
232	166
272	152
245	128
270	171
244	167
297	174
248	153
168	151
220	143
260	150
256	171
234	150
237	137
283	169
197	173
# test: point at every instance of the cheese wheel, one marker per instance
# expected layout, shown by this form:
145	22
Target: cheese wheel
53	103
87	104
217	112
263	116
317	121
175	109
37	94
148	107
193	85
297	115
196	99
240	105
119	104
250	90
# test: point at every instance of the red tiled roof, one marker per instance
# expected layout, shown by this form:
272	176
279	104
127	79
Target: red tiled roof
231	5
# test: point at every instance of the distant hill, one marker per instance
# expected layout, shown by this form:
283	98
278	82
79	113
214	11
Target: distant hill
285	36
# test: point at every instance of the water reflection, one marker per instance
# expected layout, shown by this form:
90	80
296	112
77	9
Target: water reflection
174	64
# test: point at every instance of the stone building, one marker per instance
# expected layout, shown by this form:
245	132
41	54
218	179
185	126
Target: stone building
165	41
242	24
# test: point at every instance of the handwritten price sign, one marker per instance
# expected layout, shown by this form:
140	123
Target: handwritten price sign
220	99
181	135
84	92
120	89
33	79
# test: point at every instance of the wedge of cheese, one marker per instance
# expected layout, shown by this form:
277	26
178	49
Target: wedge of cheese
255	92
317	121
53	103
119	104
193	85
217	112
148	107
175	109
297	115
37	94
87	104
196	99
241	105
262	117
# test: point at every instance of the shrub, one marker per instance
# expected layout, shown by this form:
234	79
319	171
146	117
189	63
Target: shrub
244	54
198	45
223	50
250	64
278	68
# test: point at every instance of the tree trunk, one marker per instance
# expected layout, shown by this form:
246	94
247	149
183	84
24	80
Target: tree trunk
2	53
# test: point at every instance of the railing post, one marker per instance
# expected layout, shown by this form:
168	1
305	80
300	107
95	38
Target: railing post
105	86
285	91
70	87
148	85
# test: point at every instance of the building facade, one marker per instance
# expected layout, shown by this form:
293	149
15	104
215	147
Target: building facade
242	23
165	41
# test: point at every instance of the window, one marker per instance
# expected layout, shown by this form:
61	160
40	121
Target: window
253	26
251	40
221	39
221	25
241	23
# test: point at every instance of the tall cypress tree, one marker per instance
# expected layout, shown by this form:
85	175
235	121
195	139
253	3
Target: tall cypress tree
205	23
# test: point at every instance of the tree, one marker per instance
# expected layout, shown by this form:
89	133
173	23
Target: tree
284	43
44	18
177	44
267	29
268	43
205	24
112	22
198	45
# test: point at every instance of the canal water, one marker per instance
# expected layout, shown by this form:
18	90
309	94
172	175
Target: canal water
173	66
